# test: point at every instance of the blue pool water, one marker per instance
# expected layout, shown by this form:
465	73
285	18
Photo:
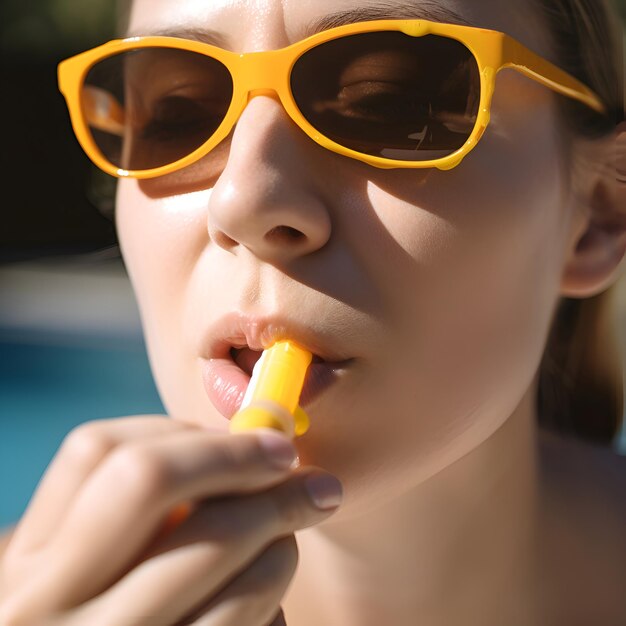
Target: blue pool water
47	389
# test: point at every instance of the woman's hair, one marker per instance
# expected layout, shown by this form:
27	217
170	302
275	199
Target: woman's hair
581	385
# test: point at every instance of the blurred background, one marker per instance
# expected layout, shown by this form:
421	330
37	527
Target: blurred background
71	348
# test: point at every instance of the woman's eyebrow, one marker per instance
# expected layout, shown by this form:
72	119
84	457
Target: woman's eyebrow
431	11
212	37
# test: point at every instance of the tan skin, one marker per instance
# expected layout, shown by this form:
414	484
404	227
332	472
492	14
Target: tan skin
455	509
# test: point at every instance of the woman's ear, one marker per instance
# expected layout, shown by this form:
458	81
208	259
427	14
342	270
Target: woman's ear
594	258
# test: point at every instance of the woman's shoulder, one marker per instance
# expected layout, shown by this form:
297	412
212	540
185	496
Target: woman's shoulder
584	521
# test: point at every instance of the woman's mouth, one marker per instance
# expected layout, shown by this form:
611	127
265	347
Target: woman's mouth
245	358
226	378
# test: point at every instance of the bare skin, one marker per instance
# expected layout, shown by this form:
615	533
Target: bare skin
456	509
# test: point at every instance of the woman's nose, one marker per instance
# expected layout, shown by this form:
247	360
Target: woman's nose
265	198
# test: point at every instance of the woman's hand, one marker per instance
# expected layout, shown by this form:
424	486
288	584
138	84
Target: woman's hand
89	549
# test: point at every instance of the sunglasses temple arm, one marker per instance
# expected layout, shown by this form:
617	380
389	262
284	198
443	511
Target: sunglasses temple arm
102	111
524	60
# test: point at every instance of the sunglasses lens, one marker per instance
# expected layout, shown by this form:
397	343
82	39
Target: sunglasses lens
390	95
149	107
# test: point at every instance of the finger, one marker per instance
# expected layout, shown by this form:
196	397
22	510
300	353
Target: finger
124	502
248	598
218	541
251	599
255	519
82	450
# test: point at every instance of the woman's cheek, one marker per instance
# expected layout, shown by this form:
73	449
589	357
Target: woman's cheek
161	240
473	287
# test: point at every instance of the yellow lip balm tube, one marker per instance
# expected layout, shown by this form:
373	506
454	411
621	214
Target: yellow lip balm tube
277	379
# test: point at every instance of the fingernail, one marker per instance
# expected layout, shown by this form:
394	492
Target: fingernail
278	450
324	490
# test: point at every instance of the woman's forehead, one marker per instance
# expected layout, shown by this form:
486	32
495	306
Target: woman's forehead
248	25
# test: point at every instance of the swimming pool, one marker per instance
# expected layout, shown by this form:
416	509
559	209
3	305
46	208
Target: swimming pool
46	389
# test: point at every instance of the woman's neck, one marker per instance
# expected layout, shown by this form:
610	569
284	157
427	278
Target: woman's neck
459	547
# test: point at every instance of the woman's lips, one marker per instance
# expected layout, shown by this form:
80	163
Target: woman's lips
226	382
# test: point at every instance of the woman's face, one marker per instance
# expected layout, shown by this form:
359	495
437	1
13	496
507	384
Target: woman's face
438	286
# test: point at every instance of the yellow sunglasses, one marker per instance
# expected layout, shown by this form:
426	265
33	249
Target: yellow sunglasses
390	93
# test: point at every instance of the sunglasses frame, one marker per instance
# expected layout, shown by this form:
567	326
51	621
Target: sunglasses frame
268	73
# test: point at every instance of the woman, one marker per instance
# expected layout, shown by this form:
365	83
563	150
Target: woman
425	285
